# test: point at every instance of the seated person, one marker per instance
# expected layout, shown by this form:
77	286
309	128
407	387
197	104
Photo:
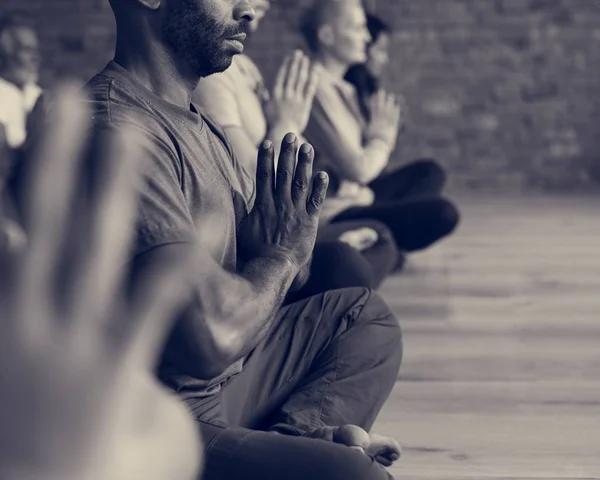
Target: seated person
418	179
19	92
355	152
278	392
242	105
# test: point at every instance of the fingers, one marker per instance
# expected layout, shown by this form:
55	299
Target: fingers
294	182
282	76
303	75
303	176
12	238
317	196
110	218
50	191
296	78
265	174
285	168
312	83
401	107
294	74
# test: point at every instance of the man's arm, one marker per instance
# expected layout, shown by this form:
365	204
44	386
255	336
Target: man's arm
227	314
217	97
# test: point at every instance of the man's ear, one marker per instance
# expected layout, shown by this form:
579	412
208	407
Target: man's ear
151	4
326	35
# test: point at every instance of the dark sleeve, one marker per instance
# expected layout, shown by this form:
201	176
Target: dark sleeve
163	216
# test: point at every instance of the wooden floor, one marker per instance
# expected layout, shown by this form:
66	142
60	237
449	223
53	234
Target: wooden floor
501	374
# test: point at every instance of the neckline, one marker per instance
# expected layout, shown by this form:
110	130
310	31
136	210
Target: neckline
191	115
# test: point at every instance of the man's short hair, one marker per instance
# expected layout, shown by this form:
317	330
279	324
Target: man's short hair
320	13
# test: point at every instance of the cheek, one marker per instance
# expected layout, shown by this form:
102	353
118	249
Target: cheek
355	44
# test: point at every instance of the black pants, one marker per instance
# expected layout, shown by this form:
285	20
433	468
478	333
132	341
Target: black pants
408	201
332	360
337	265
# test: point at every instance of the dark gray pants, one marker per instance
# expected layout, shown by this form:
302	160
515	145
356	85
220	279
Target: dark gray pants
331	359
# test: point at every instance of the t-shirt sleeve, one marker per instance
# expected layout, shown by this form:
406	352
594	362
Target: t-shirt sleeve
163	215
216	95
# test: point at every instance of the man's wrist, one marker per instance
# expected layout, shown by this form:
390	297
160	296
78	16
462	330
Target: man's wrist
282	259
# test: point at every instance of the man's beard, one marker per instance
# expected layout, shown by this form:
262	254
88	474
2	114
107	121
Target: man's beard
197	38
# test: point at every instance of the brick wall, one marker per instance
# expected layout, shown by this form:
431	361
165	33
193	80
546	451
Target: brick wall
505	93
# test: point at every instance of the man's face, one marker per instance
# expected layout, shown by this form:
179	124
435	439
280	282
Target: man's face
351	35
21	54
261	8
206	33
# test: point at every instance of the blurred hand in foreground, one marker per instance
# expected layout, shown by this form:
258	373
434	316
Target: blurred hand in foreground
79	401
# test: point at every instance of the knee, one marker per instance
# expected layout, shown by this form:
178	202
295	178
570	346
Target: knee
384	234
431	170
352	465
341	266
448	217
377	312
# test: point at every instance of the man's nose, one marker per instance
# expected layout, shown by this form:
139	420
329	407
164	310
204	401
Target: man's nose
244	11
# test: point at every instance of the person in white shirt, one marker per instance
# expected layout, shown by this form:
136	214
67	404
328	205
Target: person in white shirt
19	90
19	72
353	253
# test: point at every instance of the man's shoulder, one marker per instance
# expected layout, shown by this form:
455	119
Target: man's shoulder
216	130
113	103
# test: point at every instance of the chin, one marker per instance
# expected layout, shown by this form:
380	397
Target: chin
359	59
219	66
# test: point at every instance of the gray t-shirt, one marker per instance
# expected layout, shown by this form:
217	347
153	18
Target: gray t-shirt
190	174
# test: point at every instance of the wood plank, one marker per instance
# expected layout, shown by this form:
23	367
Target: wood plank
501	376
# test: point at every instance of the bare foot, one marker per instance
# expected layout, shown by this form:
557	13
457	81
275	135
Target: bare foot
384	450
360	239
